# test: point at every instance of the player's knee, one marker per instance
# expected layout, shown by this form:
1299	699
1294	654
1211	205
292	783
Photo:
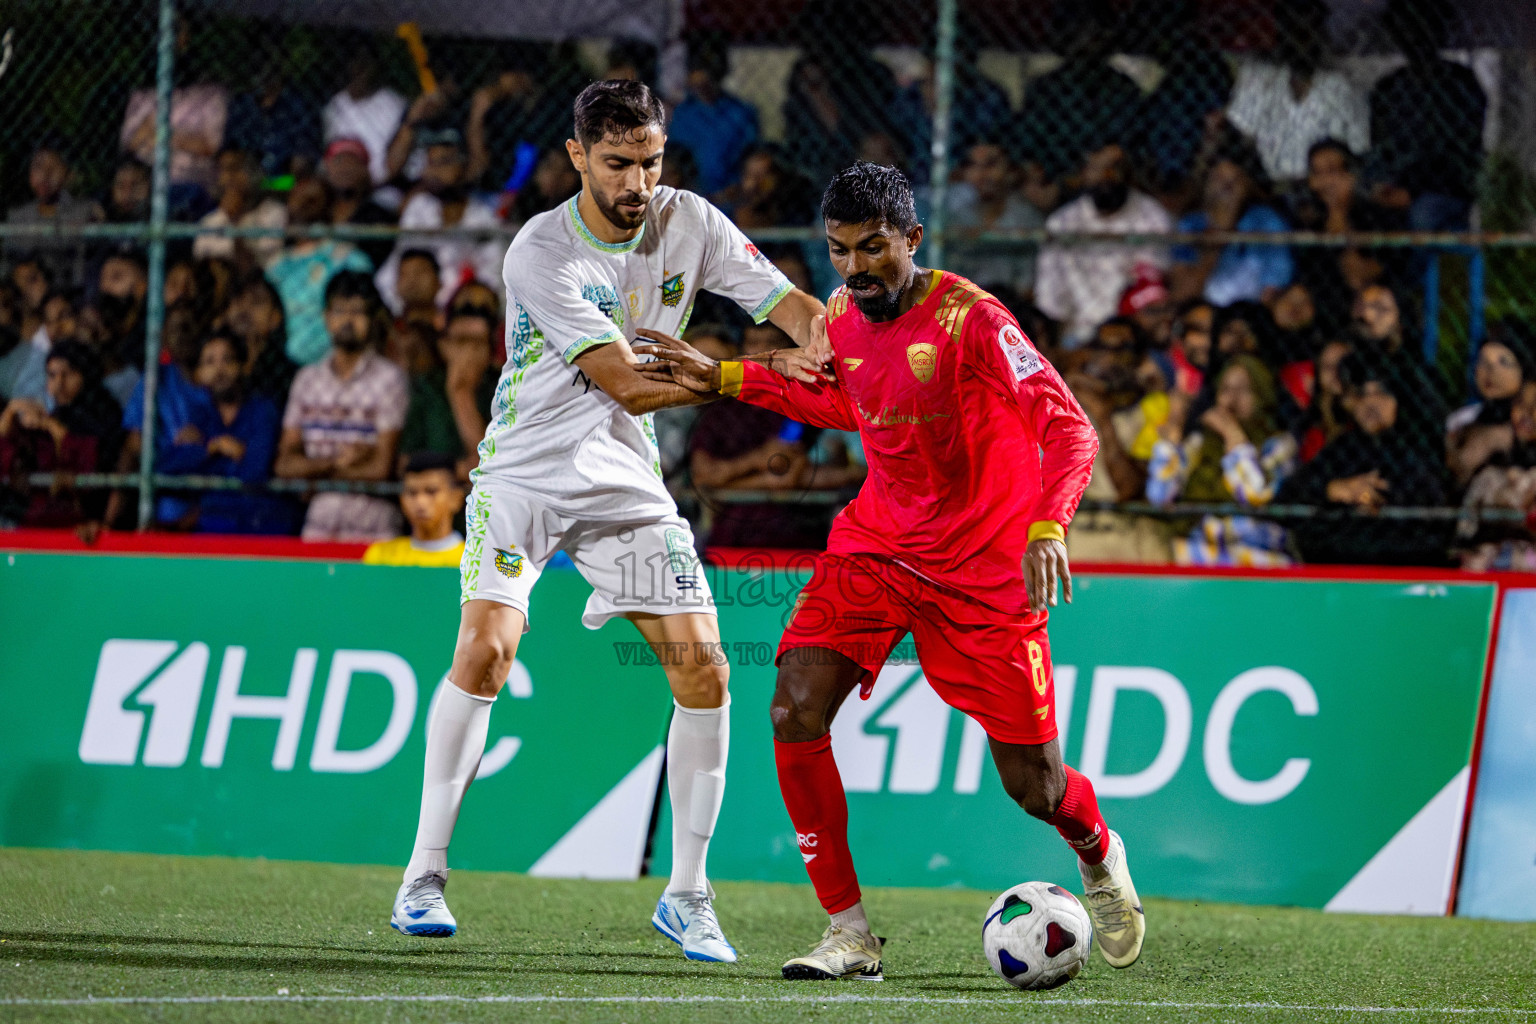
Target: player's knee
796	721
482	662
699	686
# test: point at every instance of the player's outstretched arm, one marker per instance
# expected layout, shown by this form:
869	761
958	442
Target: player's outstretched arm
804	319
677	360
820	403
614	368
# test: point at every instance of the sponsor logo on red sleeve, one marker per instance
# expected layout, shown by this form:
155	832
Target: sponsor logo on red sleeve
1020	354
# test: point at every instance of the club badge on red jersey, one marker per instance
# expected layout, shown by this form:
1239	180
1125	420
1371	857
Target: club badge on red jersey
923	358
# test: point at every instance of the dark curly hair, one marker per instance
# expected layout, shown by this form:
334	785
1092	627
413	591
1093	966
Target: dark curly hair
614	109
868	192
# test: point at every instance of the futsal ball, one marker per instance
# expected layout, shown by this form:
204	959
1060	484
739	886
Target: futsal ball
1037	936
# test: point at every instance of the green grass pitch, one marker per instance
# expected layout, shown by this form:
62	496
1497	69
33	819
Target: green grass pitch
183	939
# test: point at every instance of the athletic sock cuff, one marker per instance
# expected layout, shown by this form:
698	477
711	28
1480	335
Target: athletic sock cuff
466	694
845	903
815	746
1069	799
722	709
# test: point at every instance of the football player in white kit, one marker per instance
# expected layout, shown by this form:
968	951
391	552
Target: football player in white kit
569	463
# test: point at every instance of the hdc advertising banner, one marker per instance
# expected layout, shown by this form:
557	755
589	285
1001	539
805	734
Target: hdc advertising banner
1280	741
278	709
1259	741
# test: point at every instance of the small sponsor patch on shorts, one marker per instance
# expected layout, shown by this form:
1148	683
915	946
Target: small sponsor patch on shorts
680	554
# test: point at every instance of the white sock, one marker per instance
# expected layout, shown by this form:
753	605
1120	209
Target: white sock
697	745
456	731
852	919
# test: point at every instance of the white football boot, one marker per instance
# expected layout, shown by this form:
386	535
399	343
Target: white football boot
421	910
842	953
688	919
1118	922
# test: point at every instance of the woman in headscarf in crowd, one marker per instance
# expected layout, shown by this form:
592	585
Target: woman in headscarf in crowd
1297	340
1481	429
1192	342
1381	461
80	435
1507	481
1239	454
1382	326
1325	417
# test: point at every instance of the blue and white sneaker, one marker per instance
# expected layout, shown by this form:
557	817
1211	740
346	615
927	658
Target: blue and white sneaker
688	919
421	910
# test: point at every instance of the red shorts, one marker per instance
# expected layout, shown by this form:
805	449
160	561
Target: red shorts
993	666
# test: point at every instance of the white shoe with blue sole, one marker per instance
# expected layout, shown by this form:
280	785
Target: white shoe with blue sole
420	909
688	919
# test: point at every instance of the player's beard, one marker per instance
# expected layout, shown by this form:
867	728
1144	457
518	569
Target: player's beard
884	305
617	217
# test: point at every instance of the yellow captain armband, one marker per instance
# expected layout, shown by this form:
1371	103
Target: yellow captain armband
1047	529
731	377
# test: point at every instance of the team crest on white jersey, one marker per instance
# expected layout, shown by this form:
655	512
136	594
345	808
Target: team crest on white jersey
672	290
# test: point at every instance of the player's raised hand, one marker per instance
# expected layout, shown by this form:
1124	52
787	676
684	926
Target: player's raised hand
820	348
688	367
1045	564
802	364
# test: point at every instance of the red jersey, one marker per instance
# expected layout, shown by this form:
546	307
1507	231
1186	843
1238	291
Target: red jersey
975	446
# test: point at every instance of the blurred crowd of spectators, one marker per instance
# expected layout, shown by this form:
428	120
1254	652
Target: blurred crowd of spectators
1239	375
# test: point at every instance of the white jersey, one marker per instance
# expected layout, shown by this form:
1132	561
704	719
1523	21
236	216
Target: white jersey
553	433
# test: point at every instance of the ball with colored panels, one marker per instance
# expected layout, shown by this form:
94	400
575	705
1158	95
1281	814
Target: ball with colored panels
1037	936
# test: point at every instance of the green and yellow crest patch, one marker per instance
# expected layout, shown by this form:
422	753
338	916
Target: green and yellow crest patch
672	290
509	563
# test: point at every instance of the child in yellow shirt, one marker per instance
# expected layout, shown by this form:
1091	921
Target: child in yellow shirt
430	497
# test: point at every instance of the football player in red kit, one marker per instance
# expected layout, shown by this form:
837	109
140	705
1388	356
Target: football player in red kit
978	456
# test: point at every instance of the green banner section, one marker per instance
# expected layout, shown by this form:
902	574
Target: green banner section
1283	741
1260	741
277	709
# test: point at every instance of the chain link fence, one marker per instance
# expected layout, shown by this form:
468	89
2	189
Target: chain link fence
1281	251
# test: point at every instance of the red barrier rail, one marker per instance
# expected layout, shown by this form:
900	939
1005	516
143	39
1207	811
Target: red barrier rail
246	546
185	545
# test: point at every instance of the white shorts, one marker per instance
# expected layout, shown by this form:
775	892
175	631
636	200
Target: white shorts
644	565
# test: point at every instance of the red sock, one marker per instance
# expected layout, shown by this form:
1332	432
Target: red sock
813	794
1079	821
